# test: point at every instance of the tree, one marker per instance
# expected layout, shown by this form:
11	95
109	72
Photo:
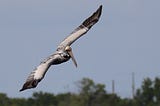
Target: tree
4	100
18	102
157	90
91	92
64	99
145	95
43	99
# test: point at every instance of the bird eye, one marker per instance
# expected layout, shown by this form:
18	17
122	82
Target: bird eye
68	48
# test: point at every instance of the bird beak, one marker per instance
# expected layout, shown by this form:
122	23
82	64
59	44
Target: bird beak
72	57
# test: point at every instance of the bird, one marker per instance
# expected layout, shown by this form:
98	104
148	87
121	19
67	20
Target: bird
63	52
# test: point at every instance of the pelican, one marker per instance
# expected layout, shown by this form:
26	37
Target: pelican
63	52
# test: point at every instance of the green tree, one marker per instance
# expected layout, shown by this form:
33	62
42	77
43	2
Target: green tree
18	102
4	100
43	99
64	99
90	92
145	95
157	90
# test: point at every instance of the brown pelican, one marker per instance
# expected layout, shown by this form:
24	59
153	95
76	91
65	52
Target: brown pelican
63	52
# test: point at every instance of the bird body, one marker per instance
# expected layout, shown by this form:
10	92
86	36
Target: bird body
63	52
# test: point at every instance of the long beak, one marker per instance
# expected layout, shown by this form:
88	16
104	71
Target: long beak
72	57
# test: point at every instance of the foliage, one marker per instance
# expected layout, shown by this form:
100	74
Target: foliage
149	93
90	94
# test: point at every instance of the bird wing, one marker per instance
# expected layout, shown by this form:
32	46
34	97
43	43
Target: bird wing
82	29
37	75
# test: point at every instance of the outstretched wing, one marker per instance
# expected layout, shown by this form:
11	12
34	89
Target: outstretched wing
37	75
82	29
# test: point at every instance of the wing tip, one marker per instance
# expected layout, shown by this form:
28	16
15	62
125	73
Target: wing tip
99	11
21	90
101	6
89	22
29	85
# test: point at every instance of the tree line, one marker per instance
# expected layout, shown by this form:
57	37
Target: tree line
90	94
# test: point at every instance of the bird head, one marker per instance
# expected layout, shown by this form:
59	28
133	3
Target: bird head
68	49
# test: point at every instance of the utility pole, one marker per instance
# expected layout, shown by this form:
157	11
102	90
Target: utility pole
133	85
113	87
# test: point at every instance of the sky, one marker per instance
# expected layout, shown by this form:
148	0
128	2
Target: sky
125	40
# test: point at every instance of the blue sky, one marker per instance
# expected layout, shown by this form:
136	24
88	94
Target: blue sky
125	40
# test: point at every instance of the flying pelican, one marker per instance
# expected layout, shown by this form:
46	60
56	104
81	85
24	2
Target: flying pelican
63	52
